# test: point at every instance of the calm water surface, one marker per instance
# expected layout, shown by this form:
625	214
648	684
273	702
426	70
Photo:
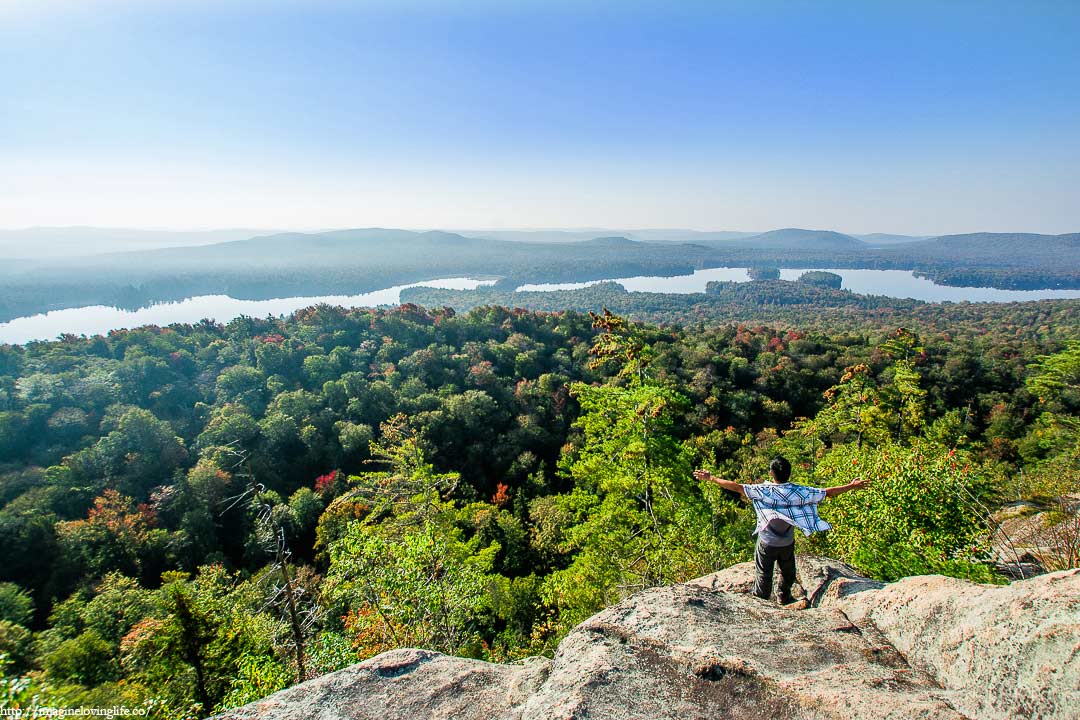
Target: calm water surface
100	319
891	283
903	284
650	283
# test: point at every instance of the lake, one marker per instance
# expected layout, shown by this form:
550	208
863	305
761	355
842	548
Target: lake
891	283
100	319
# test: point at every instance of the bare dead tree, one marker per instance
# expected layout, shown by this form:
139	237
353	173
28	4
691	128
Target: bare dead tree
299	612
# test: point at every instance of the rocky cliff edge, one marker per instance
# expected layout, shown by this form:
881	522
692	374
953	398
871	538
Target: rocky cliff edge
923	647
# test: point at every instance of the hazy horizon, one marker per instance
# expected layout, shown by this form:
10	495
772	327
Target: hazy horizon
917	119
51	244
512	228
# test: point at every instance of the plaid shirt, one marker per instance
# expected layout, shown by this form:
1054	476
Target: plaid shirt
794	504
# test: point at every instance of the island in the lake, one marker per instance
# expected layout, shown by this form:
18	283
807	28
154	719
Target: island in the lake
349	264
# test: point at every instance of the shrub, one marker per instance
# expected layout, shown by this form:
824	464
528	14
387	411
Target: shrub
87	660
15	644
923	514
16	605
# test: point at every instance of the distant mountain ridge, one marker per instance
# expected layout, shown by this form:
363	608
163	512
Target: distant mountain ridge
890	238
678	235
63	242
342	262
443	251
998	240
373	245
361	236
1028	248
373	249
800	239
59	243
612	241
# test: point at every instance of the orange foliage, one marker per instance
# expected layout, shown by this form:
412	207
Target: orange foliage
112	511
501	496
372	634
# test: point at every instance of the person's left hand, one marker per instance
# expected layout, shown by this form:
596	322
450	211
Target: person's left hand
703	475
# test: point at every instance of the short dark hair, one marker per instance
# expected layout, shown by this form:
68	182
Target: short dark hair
780	469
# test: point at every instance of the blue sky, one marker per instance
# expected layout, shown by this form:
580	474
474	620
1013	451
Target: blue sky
916	117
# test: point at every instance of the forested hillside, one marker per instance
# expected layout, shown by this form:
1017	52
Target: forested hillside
362	260
782	303
195	516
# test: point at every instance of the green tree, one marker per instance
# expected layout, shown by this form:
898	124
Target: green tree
404	572
114	536
419	587
242	384
87	660
16	605
638	518
1057	377
924	513
190	656
118	604
140	453
903	398
16	644
853	412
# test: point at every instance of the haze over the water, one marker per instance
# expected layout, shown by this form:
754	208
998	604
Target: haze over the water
916	117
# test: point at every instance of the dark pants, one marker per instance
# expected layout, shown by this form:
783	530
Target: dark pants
765	558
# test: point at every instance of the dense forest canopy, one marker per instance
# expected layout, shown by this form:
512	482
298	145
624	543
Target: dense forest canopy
195	516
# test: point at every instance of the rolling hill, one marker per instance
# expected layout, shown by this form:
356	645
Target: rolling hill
63	242
361	260
797	239
677	235
880	239
1024	249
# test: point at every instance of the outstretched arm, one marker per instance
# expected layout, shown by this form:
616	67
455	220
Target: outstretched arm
726	484
856	484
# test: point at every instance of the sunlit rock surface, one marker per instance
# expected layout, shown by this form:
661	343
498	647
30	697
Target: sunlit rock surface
923	647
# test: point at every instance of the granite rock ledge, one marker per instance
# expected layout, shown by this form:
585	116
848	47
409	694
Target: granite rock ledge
922	647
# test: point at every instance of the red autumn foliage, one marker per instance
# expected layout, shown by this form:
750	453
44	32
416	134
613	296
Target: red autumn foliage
501	496
324	483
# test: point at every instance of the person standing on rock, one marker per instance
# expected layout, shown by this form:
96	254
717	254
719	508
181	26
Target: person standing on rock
781	506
